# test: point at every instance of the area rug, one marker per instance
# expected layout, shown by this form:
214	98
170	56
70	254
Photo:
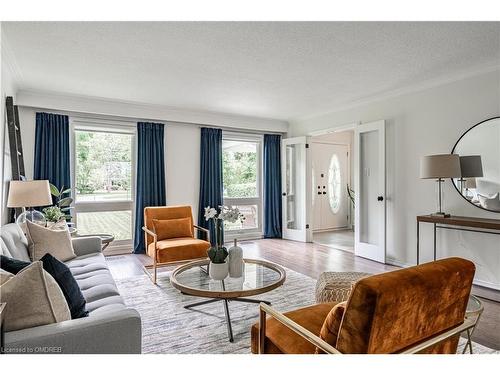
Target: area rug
167	327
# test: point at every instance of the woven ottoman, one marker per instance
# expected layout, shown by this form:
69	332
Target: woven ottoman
336	286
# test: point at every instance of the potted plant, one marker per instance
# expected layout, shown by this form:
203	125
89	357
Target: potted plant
61	209
218	267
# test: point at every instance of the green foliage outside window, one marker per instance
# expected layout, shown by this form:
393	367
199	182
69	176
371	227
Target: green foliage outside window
239	174
103	162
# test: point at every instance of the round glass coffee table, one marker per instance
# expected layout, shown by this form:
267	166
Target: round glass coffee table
259	277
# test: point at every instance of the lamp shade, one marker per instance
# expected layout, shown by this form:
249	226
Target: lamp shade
440	166
471	166
29	194
470	183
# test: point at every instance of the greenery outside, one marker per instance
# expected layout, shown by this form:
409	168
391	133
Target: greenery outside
103	166
239	169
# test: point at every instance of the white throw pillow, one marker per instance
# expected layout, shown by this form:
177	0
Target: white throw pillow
33	299
490	202
55	242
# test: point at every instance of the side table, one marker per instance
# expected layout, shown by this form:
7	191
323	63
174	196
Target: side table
106	239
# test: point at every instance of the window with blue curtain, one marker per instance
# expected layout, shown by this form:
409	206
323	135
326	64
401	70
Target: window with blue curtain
51	159
272	186
211	190
150	185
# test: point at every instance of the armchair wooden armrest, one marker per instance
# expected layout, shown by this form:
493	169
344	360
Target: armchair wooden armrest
203	230
151	233
287	322
469	322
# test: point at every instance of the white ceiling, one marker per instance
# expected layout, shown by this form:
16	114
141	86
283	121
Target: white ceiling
281	70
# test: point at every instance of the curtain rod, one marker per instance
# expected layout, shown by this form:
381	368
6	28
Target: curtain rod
90	116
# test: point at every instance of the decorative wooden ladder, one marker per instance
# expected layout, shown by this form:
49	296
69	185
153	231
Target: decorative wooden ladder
16	147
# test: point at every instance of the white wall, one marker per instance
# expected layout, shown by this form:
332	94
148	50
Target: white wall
422	123
8	88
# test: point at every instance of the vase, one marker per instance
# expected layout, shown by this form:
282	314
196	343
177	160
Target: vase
236	265
219	234
218	271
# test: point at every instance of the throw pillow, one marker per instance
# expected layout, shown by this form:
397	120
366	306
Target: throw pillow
12	265
66	281
4	276
61	224
173	228
331	326
33	299
55	242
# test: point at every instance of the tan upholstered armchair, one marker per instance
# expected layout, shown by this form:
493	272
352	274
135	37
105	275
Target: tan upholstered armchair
414	310
169	236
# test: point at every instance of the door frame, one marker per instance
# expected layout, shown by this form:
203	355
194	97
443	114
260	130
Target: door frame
363	249
352	157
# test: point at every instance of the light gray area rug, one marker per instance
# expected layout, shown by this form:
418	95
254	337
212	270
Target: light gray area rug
170	328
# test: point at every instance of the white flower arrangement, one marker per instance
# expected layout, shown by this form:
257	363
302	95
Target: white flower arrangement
226	213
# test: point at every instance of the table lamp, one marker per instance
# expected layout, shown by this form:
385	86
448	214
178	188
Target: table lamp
471	167
439	167
29	194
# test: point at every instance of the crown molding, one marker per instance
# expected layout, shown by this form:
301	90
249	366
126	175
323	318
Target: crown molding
142	111
422	86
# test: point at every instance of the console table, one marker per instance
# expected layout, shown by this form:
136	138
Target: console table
462	223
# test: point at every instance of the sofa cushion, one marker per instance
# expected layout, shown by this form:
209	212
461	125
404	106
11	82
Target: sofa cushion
280	339
33	299
173	228
177	249
95	281
70	288
14	242
55	242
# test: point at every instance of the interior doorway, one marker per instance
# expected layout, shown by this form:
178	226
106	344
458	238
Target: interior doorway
332	185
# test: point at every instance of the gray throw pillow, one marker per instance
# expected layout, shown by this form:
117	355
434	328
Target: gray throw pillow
33	299
55	242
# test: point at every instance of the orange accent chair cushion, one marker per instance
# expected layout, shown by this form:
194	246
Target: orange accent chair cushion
172	228
280	339
178	249
331	326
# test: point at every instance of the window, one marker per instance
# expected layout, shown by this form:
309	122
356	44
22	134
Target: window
241	163
334	184
103	165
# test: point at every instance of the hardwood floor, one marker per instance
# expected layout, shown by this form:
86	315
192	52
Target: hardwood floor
311	259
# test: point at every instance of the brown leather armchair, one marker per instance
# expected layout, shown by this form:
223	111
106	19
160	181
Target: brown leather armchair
169	236
414	310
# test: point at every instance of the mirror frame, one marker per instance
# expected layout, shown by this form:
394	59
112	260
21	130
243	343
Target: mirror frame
453	151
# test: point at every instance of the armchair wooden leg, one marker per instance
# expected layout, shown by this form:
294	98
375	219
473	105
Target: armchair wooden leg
154	269
262	331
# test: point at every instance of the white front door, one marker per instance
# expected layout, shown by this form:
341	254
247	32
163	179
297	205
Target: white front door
369	183
330	180
296	196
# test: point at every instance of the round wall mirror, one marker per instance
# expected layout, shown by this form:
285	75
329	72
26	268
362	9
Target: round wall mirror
479	151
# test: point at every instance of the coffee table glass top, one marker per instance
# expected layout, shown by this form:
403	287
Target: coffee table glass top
258	277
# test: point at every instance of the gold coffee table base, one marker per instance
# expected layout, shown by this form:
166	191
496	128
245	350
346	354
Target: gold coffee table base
230	290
